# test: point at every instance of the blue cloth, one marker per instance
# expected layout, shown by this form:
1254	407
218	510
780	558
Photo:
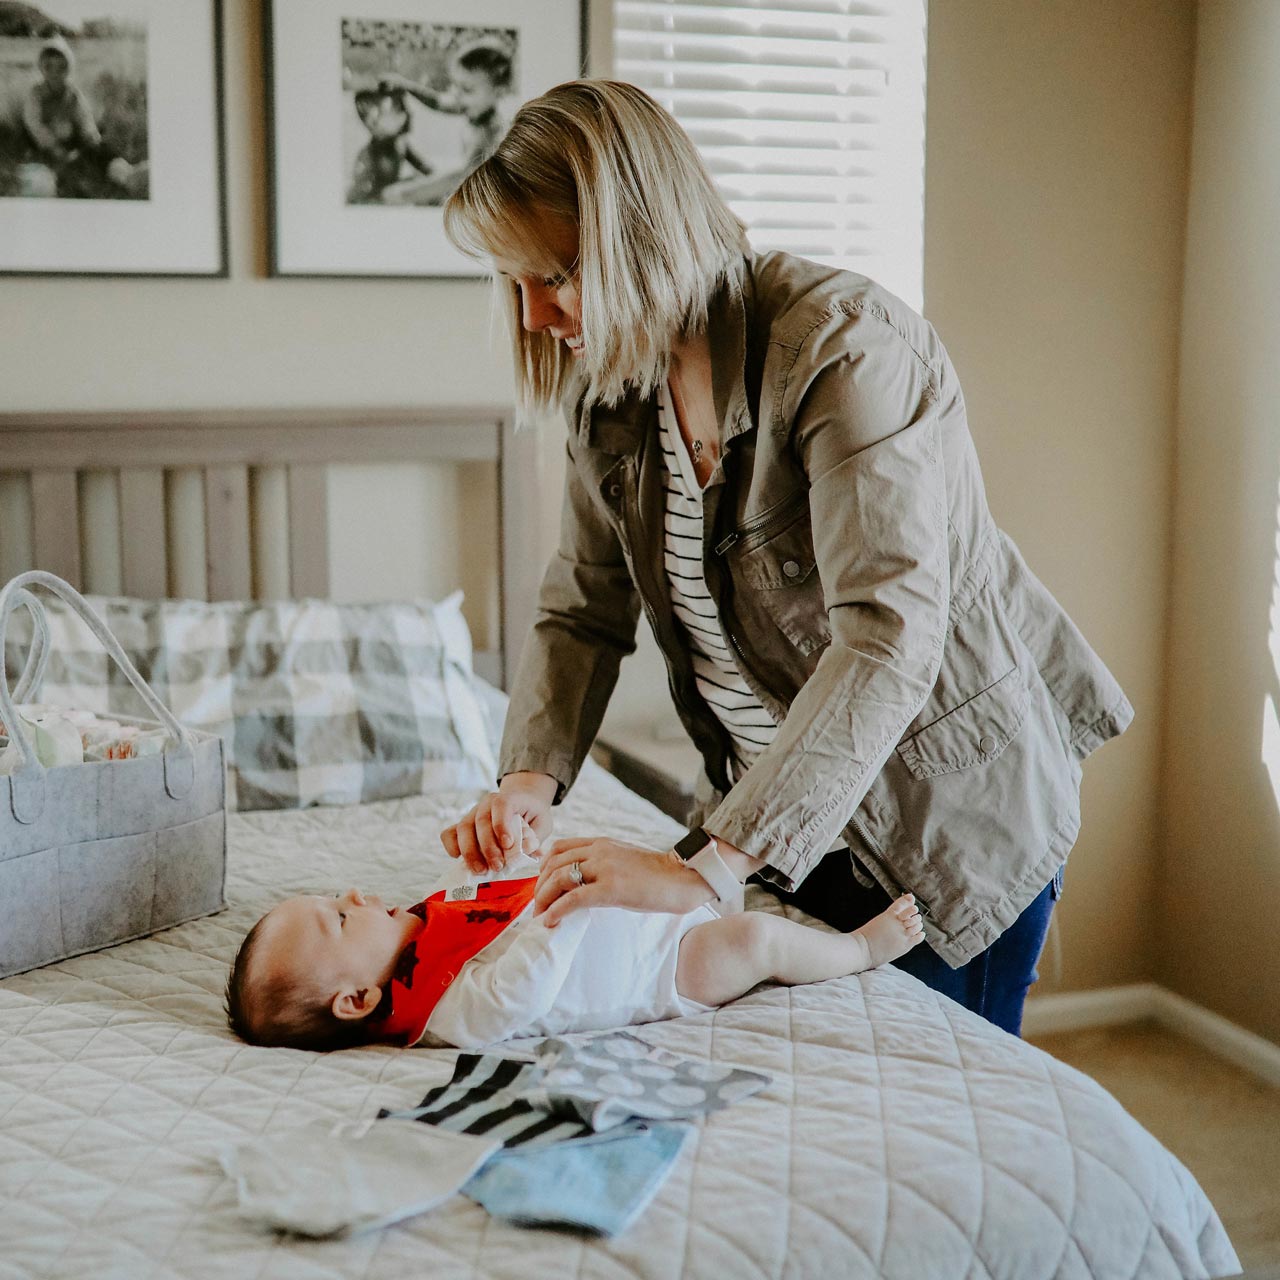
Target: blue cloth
994	983
600	1183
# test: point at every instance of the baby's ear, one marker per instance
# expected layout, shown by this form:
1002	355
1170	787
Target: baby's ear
350	1004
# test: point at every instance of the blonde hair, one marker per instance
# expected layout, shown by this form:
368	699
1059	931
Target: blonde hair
655	236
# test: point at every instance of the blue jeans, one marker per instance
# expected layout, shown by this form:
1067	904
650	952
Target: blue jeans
994	983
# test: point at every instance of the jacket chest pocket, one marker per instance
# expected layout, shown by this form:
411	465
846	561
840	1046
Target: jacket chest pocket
775	564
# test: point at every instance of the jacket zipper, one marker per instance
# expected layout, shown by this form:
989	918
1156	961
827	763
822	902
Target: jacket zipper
872	849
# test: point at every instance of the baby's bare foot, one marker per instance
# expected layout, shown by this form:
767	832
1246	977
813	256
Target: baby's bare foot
894	931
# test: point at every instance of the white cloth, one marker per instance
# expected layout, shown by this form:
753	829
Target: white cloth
333	1180
601	967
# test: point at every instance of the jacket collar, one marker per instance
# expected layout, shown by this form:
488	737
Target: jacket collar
620	428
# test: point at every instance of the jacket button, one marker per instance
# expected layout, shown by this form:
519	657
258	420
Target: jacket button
987	744
791	569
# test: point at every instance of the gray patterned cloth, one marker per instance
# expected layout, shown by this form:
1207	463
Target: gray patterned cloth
573	1088
318	703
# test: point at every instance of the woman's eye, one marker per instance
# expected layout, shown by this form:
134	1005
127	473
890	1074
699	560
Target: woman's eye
342	917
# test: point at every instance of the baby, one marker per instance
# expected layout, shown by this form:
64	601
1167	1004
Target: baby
473	964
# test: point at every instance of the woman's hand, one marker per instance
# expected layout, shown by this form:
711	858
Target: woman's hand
492	832
615	875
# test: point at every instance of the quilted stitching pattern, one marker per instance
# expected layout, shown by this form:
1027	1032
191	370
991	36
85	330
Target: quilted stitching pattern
901	1136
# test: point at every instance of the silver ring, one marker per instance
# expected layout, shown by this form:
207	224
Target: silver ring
575	870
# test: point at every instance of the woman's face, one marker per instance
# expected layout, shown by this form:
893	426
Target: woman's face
551	303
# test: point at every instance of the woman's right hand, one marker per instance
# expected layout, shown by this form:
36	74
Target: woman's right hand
491	833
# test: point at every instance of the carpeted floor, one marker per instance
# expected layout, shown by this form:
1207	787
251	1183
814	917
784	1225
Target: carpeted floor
1220	1121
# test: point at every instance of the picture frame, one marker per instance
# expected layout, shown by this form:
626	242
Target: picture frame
112	155
376	109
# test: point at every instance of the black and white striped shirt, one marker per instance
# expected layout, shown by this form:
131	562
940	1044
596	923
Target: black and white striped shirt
718	678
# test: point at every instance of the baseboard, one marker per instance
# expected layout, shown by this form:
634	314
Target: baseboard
1113	1006
1076	1010
1219	1035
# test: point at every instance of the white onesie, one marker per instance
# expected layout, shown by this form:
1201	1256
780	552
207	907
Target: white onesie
601	967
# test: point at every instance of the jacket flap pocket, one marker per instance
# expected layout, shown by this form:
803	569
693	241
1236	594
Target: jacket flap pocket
975	732
785	560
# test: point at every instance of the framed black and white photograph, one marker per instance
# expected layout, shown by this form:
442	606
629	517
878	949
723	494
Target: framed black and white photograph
379	108
111	156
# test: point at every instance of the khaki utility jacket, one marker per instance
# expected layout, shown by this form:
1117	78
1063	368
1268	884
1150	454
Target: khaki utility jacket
934	701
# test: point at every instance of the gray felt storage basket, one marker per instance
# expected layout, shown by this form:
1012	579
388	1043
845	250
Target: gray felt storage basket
98	853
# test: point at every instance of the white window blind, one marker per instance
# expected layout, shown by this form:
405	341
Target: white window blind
809	114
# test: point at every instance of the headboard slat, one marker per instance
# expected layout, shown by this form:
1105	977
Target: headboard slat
142	537
308	532
226	531
55	524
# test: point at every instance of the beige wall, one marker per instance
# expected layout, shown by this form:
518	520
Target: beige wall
247	341
1055	193
1220	891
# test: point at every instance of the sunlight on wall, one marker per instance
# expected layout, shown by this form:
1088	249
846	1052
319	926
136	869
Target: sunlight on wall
1270	720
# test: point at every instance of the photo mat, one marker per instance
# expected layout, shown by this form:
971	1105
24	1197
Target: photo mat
364	159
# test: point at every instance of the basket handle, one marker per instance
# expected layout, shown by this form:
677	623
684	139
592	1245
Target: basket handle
28	687
27	782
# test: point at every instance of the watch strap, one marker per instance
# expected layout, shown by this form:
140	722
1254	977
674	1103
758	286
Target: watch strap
724	884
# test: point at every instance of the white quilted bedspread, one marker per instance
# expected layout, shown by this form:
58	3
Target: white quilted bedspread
901	1136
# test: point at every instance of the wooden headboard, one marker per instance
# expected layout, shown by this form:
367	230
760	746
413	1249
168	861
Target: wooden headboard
262	478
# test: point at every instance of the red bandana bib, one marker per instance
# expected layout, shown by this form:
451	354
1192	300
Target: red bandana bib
454	929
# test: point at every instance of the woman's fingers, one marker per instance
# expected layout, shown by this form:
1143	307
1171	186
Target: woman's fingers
588	895
494	855
468	848
561	849
506	821
554	883
449	838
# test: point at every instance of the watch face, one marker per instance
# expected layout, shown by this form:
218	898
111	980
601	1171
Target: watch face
693	842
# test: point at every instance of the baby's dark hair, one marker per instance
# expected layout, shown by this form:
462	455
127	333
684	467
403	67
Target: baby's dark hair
492	62
277	1013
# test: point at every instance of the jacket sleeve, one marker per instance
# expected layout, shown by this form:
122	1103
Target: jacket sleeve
585	625
862	417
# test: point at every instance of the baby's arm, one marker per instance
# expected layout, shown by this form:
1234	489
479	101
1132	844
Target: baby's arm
723	959
428	97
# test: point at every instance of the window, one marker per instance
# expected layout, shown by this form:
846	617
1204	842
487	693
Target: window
809	114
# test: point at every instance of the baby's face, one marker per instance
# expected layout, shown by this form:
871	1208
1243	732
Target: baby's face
351	941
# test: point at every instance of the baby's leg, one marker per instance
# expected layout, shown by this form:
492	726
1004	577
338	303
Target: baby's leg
723	959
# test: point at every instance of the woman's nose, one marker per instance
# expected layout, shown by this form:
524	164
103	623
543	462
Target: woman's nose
355	897
538	310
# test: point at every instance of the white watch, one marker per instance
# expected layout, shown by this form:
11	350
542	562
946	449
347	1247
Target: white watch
724	884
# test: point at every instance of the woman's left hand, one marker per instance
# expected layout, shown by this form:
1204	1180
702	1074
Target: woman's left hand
615	875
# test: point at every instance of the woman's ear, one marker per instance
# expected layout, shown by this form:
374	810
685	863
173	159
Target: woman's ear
352	1004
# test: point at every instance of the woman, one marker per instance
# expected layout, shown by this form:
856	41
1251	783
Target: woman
771	457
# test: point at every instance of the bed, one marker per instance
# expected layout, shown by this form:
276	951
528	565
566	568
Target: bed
900	1135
